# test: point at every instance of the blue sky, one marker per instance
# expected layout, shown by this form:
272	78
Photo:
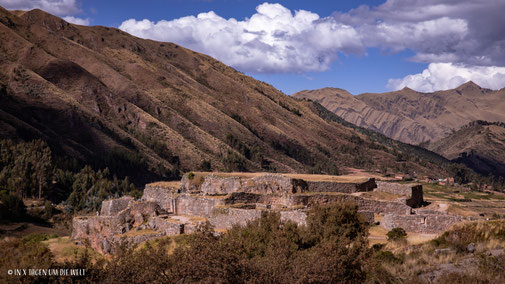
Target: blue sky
360	46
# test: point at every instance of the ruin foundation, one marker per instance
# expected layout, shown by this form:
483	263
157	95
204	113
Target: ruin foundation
225	201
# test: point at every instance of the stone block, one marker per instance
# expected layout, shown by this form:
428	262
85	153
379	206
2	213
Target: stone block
429	224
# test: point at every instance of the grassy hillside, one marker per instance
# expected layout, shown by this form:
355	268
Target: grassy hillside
480	145
151	110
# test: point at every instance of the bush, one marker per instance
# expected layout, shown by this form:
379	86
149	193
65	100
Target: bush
331	248
191	176
396	234
48	210
38	237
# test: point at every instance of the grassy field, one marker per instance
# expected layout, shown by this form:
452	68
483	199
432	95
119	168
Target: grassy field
458	200
377	235
66	249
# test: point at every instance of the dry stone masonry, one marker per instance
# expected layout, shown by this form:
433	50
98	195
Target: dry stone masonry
225	200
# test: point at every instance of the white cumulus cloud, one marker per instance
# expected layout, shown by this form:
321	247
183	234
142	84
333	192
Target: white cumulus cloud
56	7
442	76
470	32
466	37
272	40
77	21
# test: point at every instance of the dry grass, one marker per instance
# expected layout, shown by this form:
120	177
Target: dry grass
419	256
361	173
378	217
378	195
156	242
417	238
169	184
66	249
460	210
307	177
191	218
377	235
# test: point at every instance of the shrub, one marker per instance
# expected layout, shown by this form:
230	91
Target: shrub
48	210
331	248
396	234
38	237
191	176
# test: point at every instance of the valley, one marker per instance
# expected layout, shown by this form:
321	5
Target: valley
143	161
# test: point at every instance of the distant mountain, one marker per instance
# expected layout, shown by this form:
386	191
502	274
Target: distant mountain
411	116
480	145
151	110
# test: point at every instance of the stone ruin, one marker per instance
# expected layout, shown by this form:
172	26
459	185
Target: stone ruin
224	200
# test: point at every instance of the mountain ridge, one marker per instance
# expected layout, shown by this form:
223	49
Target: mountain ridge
414	117
108	98
480	145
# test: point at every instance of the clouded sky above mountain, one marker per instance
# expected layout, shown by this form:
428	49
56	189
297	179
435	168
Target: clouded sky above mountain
361	46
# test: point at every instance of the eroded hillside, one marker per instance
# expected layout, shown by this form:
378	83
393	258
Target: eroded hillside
411	116
480	145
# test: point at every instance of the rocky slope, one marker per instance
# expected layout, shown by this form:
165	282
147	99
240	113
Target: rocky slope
411	116
480	145
151	109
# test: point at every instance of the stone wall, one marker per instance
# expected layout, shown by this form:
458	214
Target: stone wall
225	218
114	206
343	187
228	201
428	223
166	226
98	230
138	212
270	184
196	205
364	204
243	197
264	184
412	192
162	195
214	184
395	188
422	211
274	184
